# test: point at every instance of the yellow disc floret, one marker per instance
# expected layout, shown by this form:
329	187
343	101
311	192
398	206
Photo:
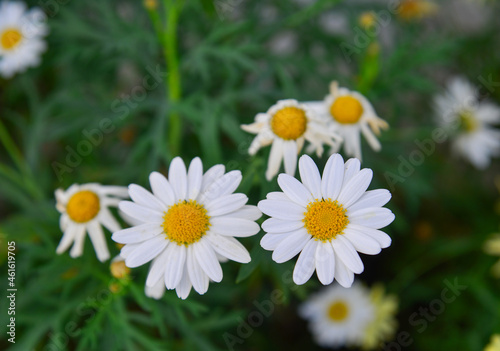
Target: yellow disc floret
289	123
325	219
83	206
338	311
10	38
186	222
467	121
346	109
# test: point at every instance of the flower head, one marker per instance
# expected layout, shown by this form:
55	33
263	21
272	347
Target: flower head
469	123
185	225
328	220
409	10
286	126
21	33
85	208
350	317
349	113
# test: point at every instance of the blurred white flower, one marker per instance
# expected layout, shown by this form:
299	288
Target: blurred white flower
84	208
328	220
470	122
21	37
187	223
349	113
286	125
350	317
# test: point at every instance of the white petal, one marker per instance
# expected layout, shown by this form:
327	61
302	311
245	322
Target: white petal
309	174
138	233
175	266
277	195
141	213
177	177
146	251
270	242
225	204
295	190
69	237
224	185
184	288
282	209
77	249
98	240
128	249
157	268
356	187
207	259
325	263
291	246
379	236
144	198
275	157
305	266
157	291
333	175
194	178
362	242
249	212
348	254
371	198
351	168
274	225
238	227
196	274
113	190
228	247
211	176
161	188
343	275
373	217
290	156
107	220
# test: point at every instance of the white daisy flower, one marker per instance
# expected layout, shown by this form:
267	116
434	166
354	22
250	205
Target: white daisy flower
328	220
84	208
350	114
21	32
286	125
470	122
188	222
339	316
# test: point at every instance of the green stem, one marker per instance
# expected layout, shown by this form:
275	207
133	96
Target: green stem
11	148
174	80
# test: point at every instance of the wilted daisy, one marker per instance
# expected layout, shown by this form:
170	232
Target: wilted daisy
286	125
84	208
349	317
328	220
187	223
21	37
351	114
469	122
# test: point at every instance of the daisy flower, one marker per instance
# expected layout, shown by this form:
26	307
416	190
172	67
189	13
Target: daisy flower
84	208
328	220
186	222
469	122
350	114
21	37
286	125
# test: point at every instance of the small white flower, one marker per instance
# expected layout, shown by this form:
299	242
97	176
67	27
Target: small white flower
84	208
187	224
350	114
21	32
470	123
326	219
339	316
286	125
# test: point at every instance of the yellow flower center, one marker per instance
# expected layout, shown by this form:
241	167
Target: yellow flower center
186	222
325	219
119	270
83	206
10	38
467	121
346	110
289	123
338	311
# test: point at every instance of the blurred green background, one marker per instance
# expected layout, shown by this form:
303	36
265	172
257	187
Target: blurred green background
237	58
